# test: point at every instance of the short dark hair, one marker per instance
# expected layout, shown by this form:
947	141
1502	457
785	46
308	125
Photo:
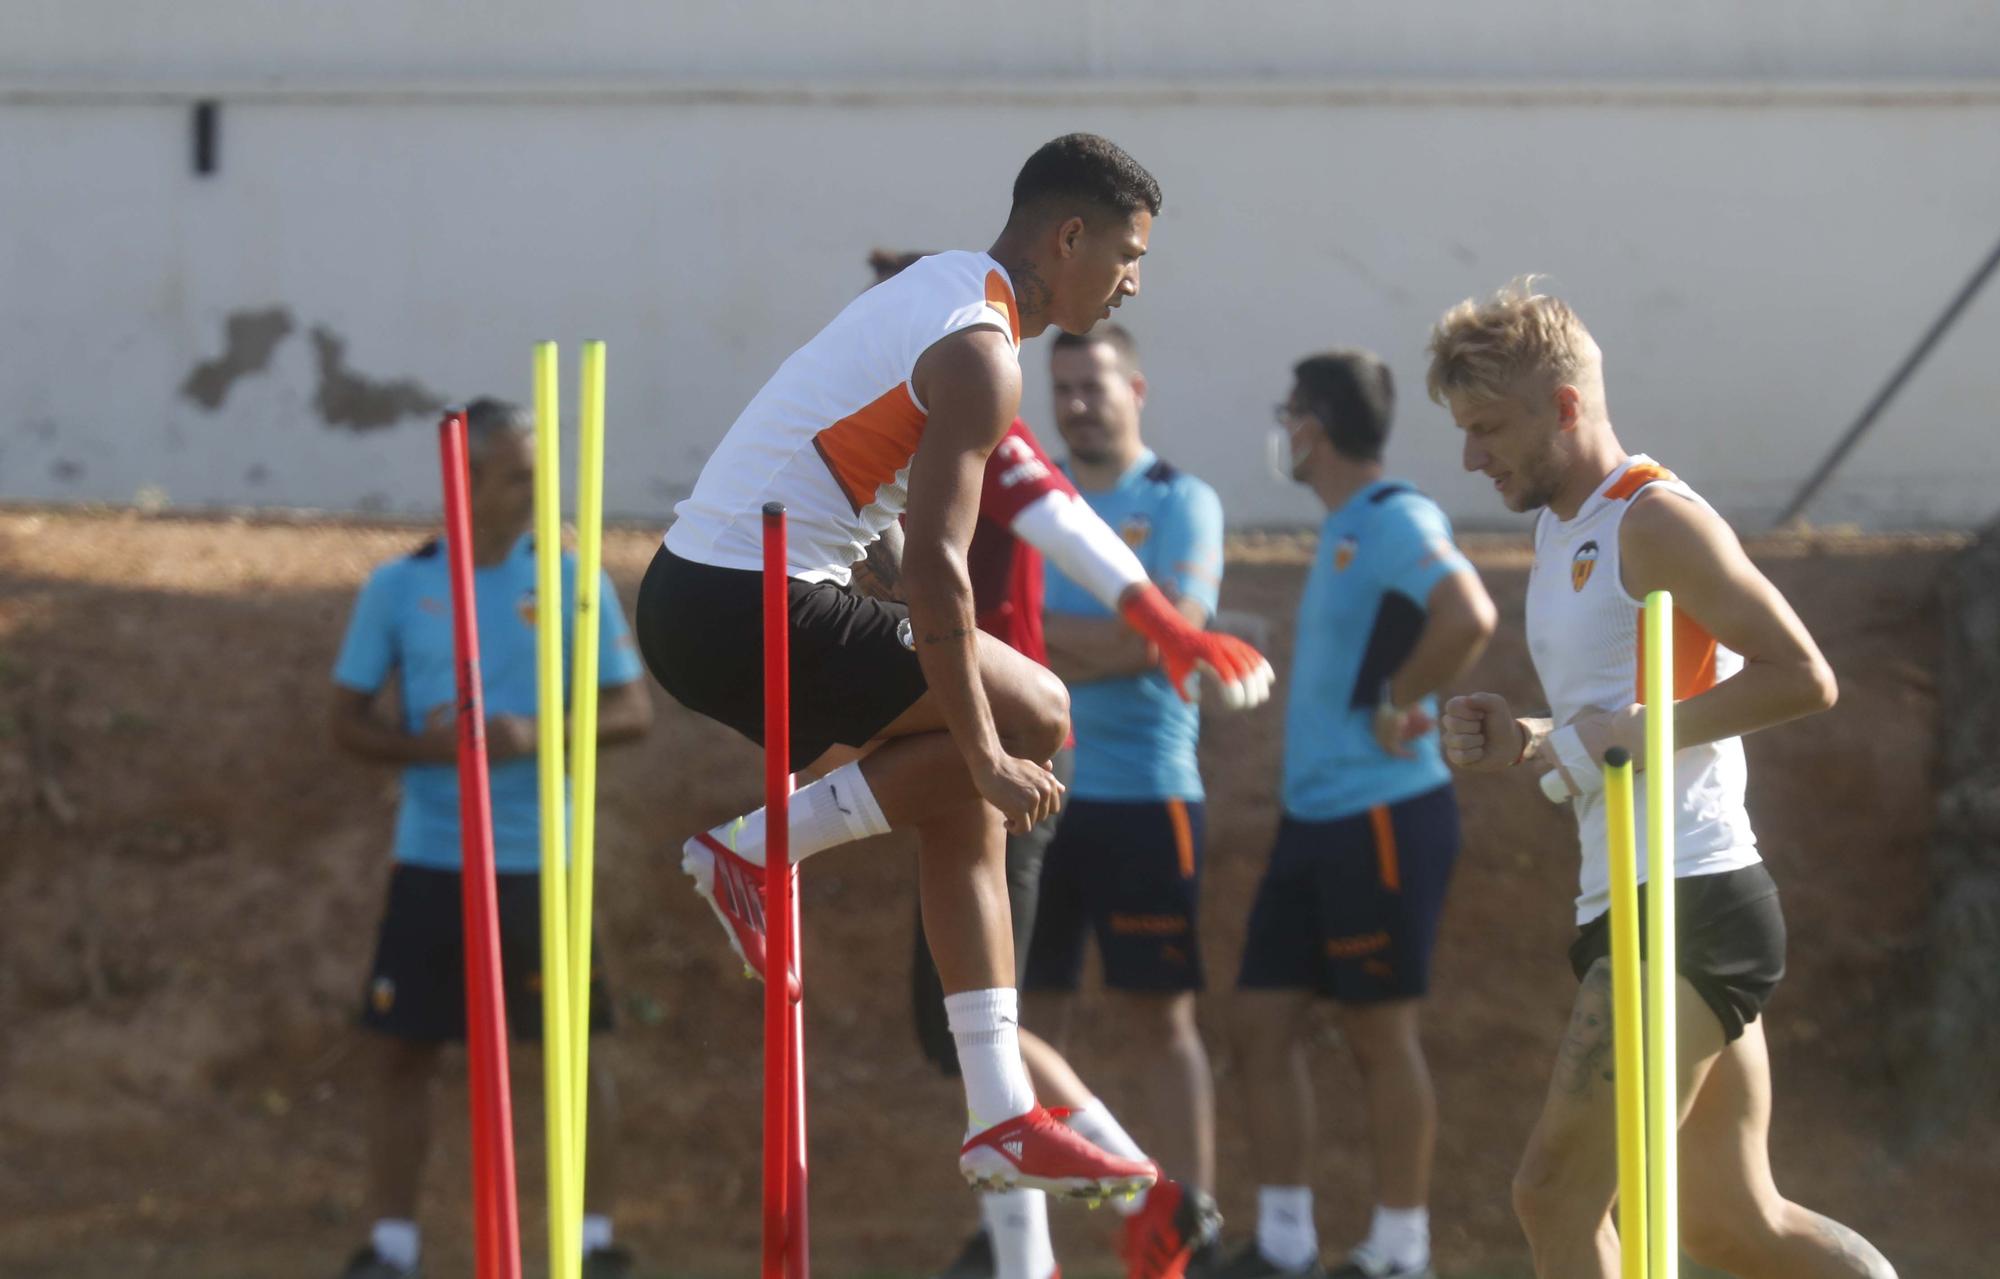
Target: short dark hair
1083	170
1353	396
487	420
1115	336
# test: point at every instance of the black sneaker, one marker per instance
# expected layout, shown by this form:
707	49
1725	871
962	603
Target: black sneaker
1247	1262
1363	1264
370	1264
607	1263
974	1261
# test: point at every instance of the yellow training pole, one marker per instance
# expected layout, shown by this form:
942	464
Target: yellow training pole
564	1247
1662	982
583	770
1626	1012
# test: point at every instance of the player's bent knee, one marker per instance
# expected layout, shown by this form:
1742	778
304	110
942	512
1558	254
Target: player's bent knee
1047	726
1736	1237
1545	1185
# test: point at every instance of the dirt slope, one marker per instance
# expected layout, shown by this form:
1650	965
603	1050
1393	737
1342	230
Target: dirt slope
191	877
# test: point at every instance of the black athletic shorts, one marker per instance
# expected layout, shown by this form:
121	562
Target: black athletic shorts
1729	938
416	989
853	667
1130	872
1349	908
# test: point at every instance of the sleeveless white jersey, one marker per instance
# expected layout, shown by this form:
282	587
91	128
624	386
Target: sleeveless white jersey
832	433
1584	636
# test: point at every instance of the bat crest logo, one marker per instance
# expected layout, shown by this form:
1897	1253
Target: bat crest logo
1581	565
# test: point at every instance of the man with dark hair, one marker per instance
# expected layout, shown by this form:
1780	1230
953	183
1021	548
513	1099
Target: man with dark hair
1027	509
400	639
875	436
1348	908
1125	865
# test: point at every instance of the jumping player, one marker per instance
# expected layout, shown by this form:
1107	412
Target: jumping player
1525	383
1348	909
892	410
1028	509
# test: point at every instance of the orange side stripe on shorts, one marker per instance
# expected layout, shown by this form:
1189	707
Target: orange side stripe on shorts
1177	813
1386	862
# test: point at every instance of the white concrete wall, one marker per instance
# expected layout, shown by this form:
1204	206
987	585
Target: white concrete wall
1032	39
436	192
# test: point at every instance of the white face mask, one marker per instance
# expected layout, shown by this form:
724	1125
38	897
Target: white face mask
1278	455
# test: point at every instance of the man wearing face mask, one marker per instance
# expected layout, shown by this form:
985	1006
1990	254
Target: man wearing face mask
1348	908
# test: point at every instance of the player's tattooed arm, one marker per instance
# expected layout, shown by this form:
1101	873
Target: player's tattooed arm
879	571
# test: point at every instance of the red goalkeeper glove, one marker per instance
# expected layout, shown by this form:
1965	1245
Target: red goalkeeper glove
1240	671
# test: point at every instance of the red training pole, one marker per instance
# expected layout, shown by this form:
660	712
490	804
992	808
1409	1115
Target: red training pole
796	1252
780	1047
495	1213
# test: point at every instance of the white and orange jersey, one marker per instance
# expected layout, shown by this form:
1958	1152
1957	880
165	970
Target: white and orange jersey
1584	634
832	433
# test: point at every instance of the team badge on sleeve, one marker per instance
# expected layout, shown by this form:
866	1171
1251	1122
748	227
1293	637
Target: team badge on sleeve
1343	552
1581	565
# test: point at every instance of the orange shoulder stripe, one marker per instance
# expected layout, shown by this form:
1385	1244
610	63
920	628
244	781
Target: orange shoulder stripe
1637	478
1000	296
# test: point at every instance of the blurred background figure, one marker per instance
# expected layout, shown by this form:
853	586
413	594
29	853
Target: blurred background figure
395	703
1349	906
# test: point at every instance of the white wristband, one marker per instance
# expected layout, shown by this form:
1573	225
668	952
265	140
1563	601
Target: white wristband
1576	772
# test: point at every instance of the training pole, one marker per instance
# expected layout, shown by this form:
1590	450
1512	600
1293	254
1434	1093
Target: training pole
1626	1012
784	1086
797	1240
583	771
565	1248
497	1237
1662	983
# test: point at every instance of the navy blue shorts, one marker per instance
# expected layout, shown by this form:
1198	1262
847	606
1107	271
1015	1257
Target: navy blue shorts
1130	872
1349	908
416	986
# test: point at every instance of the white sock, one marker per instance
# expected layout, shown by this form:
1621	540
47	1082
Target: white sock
1285	1233
986	1026
1094	1122
837	809
397	1241
1401	1236
596	1231
1017	1221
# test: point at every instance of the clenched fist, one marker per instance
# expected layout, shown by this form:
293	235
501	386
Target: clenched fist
1480	733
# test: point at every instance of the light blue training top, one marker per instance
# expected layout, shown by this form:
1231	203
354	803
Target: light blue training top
402	623
1135	737
1367	593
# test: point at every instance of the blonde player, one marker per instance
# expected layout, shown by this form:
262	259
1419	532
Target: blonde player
1525	383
